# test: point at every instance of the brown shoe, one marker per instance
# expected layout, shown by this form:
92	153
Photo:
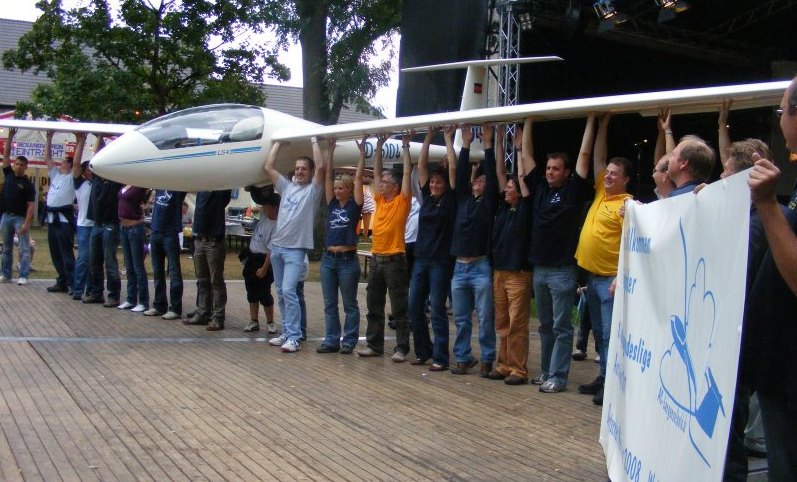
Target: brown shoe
215	326
463	368
495	375
485	370
516	380
197	320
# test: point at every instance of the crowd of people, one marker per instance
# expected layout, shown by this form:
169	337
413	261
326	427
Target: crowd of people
460	230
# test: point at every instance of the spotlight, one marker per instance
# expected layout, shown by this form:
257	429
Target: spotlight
526	21
608	15
669	8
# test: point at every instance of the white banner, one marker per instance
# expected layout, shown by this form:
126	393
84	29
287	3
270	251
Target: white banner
671	364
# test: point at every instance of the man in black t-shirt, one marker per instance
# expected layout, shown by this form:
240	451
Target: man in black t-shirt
557	197
17	202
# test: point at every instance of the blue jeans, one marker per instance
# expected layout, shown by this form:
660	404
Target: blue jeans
340	273
472	287
133	250
600	305
61	240
430	279
82	262
11	224
780	418
289	270
302	306
165	247
104	244
555	292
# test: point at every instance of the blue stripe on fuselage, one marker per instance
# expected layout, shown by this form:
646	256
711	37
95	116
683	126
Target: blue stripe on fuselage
238	150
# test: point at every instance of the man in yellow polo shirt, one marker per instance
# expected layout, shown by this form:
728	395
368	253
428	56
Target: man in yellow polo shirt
598	249
388	272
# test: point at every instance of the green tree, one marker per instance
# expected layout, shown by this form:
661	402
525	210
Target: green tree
149	58
338	40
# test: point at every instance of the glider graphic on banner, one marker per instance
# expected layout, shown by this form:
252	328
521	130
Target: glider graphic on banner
676	325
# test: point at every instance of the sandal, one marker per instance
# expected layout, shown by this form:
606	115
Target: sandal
438	367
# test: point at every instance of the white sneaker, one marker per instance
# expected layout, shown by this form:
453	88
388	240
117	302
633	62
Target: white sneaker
22	281
290	346
272	328
152	312
277	341
138	308
170	315
3	279
125	306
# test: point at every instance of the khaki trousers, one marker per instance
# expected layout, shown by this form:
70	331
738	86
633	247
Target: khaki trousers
512	297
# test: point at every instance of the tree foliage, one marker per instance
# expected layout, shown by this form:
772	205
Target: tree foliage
148	58
339	40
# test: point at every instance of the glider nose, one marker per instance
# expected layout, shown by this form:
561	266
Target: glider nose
117	158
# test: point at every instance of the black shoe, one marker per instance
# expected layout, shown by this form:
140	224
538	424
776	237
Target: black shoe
495	375
57	289
579	355
485	369
346	350
591	388
90	299
77	296
516	380
598	398
327	349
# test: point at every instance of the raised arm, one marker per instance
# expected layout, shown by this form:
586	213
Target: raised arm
380	142
320	163
665	126
601	147
527	147
782	240
406	180
724	135
423	159
451	155
48	150
358	174
7	149
499	144
522	172
463	183
271	160
80	137
500	168
329	181
582	163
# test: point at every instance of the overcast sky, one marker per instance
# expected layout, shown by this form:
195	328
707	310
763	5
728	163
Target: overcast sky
385	98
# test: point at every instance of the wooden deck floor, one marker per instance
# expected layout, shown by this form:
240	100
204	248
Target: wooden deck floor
90	393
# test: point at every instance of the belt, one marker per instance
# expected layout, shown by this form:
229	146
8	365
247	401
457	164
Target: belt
342	254
389	258
201	237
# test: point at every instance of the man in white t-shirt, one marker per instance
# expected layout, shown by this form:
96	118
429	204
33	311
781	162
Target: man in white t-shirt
293	238
60	219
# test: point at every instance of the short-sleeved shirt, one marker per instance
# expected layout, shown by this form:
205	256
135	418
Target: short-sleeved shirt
83	194
298	207
167	211
262	235
598	248
342	223
556	218
435	224
389	223
511	237
17	193
60	193
474	220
